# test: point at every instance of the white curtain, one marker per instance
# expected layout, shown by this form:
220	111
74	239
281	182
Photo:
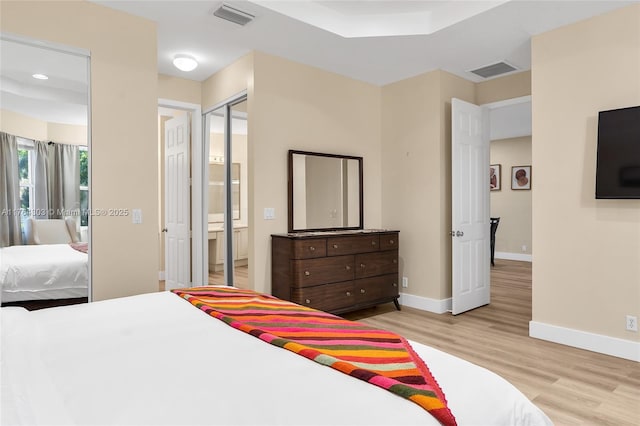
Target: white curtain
40	180
10	232
64	181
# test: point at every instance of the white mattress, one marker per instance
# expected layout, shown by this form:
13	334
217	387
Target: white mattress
47	271
156	360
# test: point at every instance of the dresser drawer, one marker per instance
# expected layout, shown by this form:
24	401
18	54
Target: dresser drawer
310	272
389	241
327	297
309	249
376	288
352	244
371	264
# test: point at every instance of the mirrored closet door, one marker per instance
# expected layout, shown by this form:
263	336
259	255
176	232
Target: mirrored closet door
226	192
45	173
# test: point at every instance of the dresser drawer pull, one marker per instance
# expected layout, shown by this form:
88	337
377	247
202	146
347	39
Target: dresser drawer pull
362	265
395	260
348	267
362	290
307	273
335	246
348	293
395	284
373	243
391	241
307	301
312	248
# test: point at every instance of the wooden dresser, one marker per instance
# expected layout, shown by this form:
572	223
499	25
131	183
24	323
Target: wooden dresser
336	271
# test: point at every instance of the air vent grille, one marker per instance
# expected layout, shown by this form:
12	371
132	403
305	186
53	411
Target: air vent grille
233	15
494	70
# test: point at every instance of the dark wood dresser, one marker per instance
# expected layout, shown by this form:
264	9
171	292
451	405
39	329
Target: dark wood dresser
336	271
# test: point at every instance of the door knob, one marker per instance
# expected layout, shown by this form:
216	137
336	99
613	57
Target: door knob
459	233
164	229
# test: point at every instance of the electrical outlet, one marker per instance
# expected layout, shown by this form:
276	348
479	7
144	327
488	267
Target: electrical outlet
632	323
405	282
524	248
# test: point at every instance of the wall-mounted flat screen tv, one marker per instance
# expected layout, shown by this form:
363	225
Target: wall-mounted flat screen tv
618	163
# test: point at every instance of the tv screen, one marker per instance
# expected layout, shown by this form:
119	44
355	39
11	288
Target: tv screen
618	163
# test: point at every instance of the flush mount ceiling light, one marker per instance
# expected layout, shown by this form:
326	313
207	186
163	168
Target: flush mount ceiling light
40	76
185	62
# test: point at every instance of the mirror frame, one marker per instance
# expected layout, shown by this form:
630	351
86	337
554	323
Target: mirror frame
290	191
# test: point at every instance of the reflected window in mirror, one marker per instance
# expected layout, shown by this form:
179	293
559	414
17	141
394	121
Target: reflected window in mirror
325	192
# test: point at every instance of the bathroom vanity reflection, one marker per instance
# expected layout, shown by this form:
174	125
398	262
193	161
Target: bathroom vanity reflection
216	191
216	218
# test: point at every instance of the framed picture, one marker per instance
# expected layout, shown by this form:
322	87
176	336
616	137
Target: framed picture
495	177
521	177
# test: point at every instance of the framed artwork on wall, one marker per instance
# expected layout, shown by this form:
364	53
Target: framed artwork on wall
520	177
495	177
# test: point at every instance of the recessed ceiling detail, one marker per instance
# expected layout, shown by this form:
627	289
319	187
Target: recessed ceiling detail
352	19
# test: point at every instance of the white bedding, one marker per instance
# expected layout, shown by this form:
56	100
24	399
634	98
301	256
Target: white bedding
47	271
156	360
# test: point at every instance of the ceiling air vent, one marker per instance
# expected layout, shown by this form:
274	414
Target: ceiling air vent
233	15
494	70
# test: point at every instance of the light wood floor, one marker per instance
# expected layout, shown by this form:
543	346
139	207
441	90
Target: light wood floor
572	386
240	277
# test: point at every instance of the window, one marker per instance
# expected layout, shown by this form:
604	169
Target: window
83	157
25	170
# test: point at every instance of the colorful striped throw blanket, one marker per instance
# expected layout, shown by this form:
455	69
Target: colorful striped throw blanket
375	356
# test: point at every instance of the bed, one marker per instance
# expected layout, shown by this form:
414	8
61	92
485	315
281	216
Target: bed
43	272
155	359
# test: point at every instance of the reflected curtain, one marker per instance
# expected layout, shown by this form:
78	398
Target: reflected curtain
40	180
64	181
10	232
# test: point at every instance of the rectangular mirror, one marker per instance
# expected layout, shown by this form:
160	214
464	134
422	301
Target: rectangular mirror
216	191
325	192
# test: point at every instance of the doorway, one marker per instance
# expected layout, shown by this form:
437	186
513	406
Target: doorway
473	127
181	202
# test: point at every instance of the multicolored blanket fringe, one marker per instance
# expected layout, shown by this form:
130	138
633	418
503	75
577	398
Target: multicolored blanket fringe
375	356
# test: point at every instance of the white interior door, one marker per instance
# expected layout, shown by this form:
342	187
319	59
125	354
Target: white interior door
470	206
177	238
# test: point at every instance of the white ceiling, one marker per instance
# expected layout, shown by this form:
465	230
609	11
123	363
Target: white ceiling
453	35
338	36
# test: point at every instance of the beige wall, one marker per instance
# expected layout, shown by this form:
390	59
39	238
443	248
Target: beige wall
586	273
229	82
31	128
296	106
179	89
512	207
501	88
124	131
416	170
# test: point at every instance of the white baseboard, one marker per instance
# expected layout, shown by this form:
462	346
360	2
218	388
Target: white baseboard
425	304
600	343
513	256
161	275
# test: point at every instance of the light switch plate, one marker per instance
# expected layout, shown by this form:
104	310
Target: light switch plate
269	213
136	215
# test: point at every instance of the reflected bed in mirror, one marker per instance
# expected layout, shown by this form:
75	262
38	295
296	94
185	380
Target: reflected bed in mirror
325	192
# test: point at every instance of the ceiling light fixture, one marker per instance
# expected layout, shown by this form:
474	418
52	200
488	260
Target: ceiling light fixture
40	76
185	62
